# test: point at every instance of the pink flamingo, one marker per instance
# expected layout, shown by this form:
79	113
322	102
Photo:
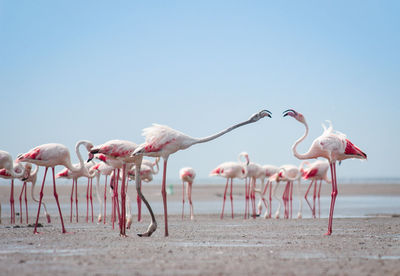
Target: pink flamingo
31	176
333	146
317	170
254	172
84	172
106	170
162	141
268	170
17	169
187	175
49	156
122	151
231	170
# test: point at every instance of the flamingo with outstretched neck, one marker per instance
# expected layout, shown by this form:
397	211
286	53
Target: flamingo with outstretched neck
50	156
162	141
333	146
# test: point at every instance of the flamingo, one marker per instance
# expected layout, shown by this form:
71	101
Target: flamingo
84	172
106	170
17	169
122	151
333	146
231	170
31	176
268	170
187	174
162	141
288	173
317	170
49	156
254	172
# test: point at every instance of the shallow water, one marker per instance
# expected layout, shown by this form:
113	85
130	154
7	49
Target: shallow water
346	206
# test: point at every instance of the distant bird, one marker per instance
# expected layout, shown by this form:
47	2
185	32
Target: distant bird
16	170
49	156
31	176
288	173
333	146
231	170
84	172
162	141
269	170
122	151
187	175
316	171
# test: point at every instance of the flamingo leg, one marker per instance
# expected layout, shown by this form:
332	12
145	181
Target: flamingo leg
105	200
189	194
270	199
223	203
246	197
231	196
306	194
139	204
253	196
58	204
72	199
333	197
116	205
91	196
12	202
319	202
20	202
87	201
40	202
291	198
183	198
164	195
123	203
314	197
26	204
76	199
285	199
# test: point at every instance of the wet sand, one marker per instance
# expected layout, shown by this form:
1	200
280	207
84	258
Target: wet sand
206	245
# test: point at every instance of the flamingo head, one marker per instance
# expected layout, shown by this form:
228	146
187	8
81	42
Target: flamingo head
259	115
27	171
246	156
292	113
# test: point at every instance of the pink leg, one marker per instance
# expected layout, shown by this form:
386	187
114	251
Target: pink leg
87	201
26	205
270	200
58	204
190	199
76	199
333	197
253	196
139	204
314	197
91	196
291	198
72	199
263	198
223	203
183	197
20	202
116	205
12	219
284	199
113	210
306	194
40	202
231	197
123	203
164	195
246	198
105	200
319	202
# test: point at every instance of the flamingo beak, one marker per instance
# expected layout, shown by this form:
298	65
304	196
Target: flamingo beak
289	112
267	113
91	156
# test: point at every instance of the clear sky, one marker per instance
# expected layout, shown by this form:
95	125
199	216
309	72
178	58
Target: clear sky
102	70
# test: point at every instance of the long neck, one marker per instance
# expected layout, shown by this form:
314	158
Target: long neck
81	162
294	148
212	137
15	174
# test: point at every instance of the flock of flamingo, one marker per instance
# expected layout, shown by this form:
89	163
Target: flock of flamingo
123	160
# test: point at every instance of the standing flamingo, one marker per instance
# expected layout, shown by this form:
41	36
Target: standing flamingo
317	170
49	156
30	176
333	146
162	141
254	172
122	151
187	175
268	170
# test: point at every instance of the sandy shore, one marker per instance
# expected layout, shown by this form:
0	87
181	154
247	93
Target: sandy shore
207	245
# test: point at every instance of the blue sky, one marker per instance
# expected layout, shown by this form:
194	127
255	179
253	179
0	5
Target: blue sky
102	70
